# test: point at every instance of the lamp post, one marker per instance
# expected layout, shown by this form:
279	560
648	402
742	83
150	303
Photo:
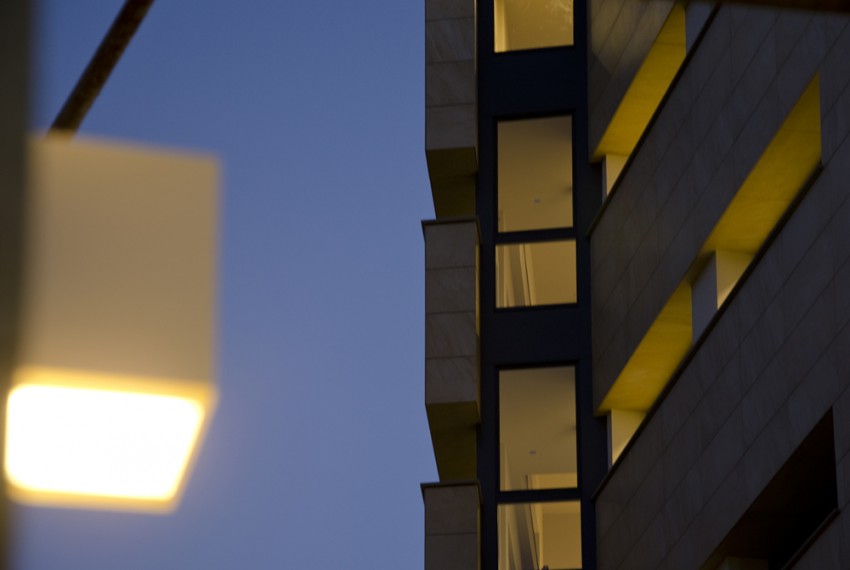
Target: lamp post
14	62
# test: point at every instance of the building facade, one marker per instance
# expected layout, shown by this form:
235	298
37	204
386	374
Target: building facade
637	288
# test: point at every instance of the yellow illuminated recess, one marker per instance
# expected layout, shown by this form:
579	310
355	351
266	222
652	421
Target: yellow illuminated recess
789	160
68	443
659	353
647	89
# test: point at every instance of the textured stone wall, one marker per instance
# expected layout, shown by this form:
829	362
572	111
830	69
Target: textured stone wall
777	358
747	73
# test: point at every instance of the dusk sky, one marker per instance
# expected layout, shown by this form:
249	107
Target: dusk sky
315	111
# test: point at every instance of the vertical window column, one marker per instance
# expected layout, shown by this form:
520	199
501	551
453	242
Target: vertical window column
538	454
536	253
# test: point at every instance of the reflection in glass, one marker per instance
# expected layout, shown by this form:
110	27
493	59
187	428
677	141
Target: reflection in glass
535	174
538	273
538	535
537	428
529	24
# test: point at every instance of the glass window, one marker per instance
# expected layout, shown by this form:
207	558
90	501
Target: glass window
535	174
537	273
529	24
537	428
540	535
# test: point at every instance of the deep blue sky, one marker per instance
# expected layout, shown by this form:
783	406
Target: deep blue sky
315	110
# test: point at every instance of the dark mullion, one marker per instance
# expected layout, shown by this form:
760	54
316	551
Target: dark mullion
531	236
538	496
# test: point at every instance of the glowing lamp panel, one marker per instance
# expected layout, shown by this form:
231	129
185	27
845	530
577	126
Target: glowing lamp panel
70	442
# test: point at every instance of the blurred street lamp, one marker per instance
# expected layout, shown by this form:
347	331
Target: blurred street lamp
113	387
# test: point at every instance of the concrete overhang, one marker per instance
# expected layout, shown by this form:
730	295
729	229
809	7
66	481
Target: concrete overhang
451	344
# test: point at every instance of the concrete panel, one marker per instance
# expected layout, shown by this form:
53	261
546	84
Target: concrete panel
683	504
451	508
763	401
450	290
836	123
449	335
451	552
835	71
439	9
450	243
450	127
449	83
451	380
450	40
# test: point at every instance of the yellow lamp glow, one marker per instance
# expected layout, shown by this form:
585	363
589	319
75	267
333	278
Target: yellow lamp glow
63	441
99	442
113	387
